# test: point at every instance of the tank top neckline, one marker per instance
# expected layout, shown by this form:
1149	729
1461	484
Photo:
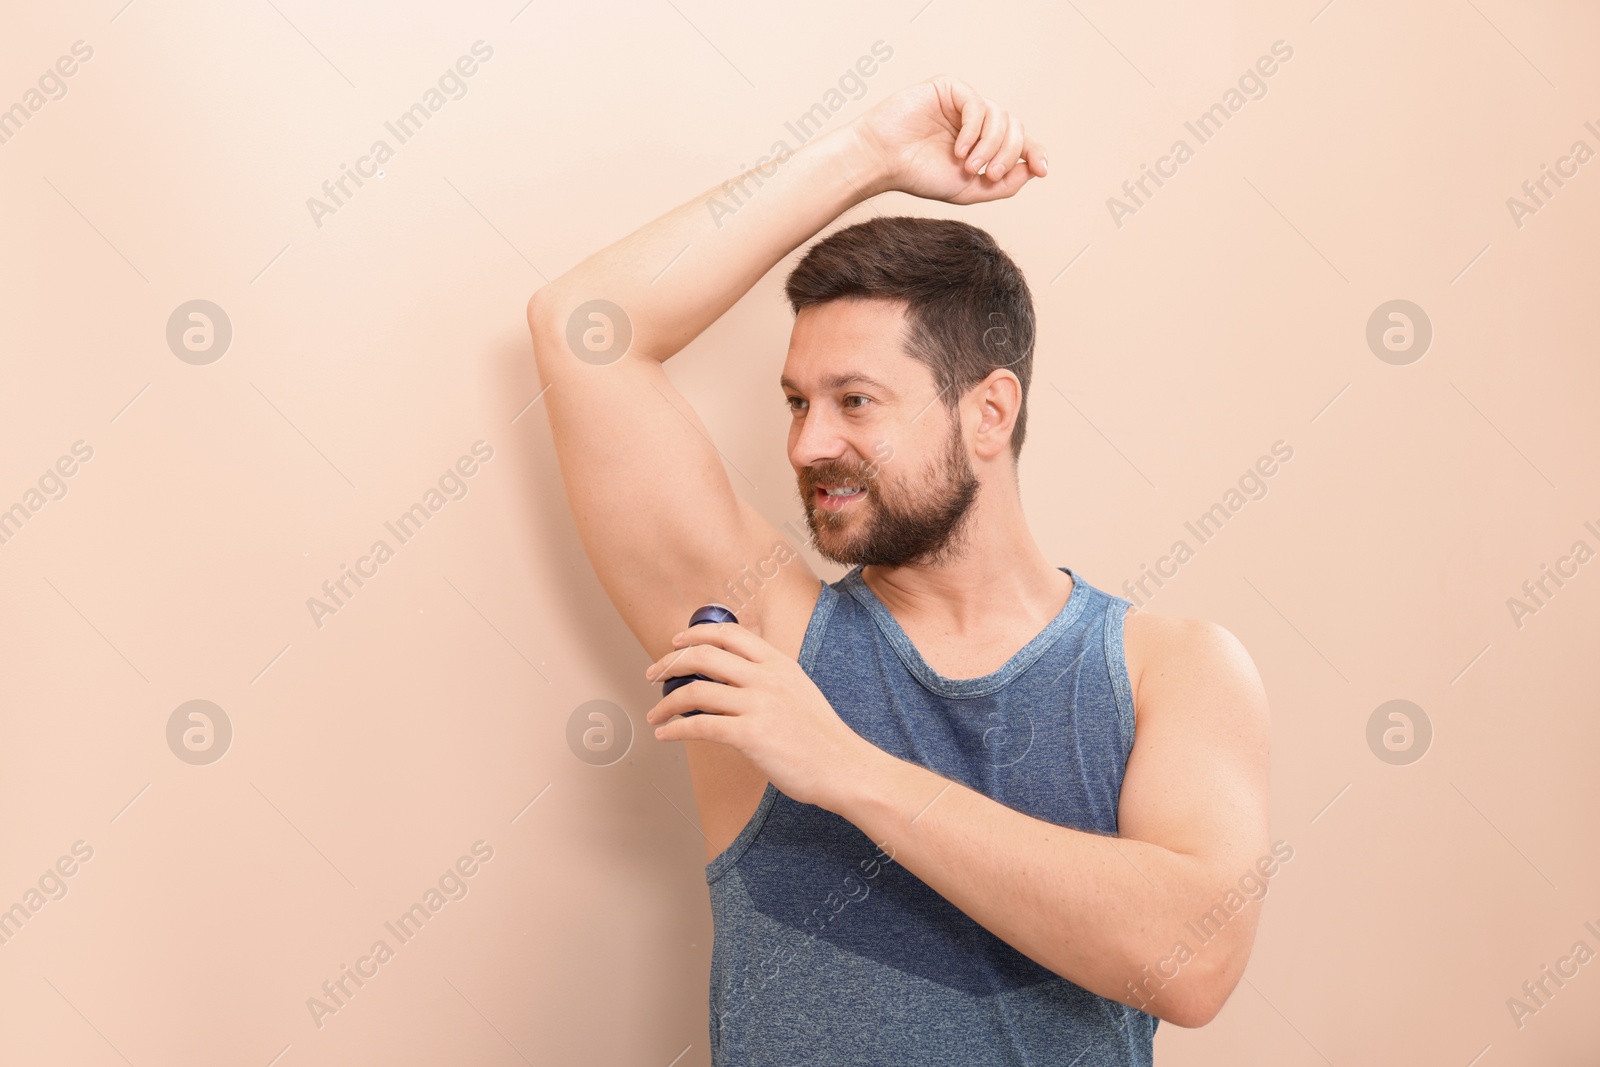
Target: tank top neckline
967	688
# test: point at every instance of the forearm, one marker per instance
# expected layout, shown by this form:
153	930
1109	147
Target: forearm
676	275
1101	911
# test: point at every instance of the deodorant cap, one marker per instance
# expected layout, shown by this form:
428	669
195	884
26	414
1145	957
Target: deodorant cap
713	613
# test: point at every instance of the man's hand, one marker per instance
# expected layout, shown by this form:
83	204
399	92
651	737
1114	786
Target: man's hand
940	140
768	709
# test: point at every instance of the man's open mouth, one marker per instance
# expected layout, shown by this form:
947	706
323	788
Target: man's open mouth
837	496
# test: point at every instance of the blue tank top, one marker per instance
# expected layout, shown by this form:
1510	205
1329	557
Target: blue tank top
827	952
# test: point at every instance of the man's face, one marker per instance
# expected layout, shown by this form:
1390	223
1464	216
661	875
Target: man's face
868	418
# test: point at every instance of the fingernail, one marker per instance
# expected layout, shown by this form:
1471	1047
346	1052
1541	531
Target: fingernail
980	164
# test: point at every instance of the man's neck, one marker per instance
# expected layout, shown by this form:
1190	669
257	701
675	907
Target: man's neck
997	574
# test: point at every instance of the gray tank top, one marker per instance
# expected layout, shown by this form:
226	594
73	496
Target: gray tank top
828	952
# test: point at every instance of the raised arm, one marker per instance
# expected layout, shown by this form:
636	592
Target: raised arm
657	513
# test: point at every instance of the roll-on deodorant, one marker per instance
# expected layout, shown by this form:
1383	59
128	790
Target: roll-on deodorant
708	613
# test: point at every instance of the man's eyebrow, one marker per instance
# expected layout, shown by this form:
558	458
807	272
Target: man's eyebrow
839	381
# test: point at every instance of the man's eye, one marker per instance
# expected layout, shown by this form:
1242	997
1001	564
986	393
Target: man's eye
792	401
855	396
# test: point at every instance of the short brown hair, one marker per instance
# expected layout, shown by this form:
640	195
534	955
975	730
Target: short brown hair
968	306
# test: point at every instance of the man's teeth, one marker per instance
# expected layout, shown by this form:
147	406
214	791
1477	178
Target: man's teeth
847	491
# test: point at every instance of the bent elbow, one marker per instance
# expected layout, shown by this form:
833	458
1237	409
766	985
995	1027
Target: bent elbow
1192	1010
1198	997
545	308
1192	1015
540	305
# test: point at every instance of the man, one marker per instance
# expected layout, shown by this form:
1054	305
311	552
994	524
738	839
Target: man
962	807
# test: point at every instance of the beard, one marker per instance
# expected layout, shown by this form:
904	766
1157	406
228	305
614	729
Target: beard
895	527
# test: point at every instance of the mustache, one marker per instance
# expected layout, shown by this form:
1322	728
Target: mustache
813	476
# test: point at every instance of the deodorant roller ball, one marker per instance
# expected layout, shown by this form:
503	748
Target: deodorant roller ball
708	613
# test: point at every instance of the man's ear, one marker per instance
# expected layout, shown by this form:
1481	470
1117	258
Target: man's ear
999	398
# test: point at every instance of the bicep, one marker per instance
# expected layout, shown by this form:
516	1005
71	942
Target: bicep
1198	777
655	510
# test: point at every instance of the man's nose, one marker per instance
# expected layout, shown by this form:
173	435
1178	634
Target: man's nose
819	441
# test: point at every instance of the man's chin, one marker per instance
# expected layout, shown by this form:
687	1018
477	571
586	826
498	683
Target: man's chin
845	560
846	552
822	519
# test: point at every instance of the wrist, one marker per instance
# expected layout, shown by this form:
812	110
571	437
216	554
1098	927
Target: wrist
870	785
861	160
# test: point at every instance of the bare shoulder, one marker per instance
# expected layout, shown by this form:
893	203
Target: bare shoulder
1171	656
1199	774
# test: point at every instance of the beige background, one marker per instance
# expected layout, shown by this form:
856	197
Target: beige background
370	352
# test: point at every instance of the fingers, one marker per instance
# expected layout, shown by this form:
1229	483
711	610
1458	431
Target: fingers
991	142
1033	153
1008	154
710	697
707	659
1030	165
972	108
696	727
996	124
666	666
729	635
995	145
1015	179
